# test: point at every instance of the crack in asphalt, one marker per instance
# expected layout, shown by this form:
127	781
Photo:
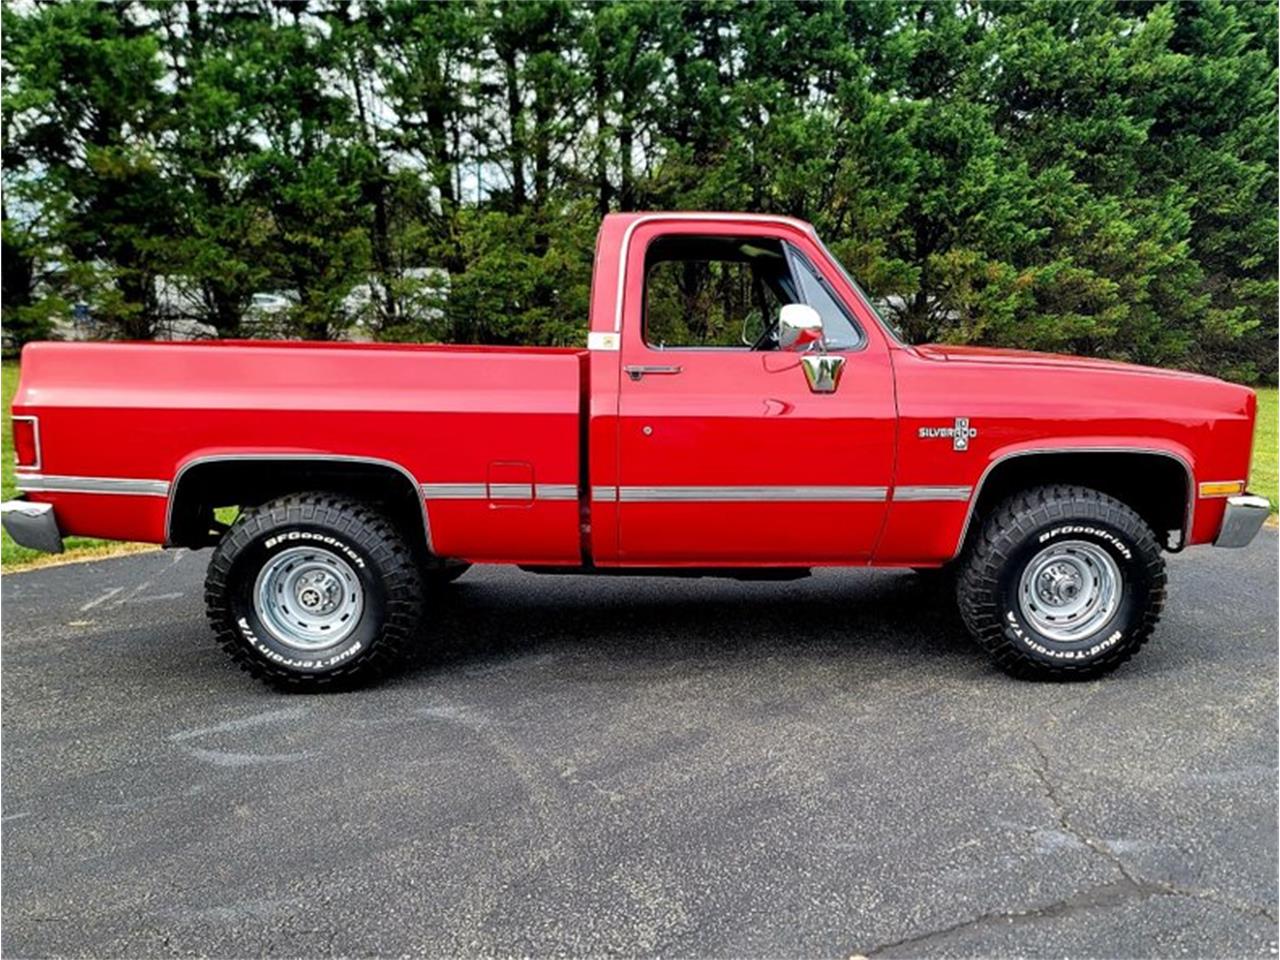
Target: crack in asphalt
1041	771
1102	895
1141	885
1130	886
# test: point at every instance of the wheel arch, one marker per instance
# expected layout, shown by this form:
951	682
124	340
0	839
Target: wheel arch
1164	497
206	482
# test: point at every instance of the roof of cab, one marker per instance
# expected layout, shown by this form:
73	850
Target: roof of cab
623	220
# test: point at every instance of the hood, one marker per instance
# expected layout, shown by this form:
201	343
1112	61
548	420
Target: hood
1002	357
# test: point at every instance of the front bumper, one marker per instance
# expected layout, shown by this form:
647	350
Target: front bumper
32	525
1242	520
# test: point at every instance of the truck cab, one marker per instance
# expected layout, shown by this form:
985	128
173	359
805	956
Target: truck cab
711	444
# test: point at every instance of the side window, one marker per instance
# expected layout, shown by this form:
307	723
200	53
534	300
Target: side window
838	328
714	291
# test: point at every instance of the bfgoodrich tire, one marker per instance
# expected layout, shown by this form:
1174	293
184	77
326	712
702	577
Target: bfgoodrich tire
312	591
1062	583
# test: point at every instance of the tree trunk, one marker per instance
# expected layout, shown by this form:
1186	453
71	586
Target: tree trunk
604	189
515	120
139	323
626	135
376	189
226	311
444	145
541	171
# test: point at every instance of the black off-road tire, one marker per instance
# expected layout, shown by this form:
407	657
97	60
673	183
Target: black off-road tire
381	561
990	574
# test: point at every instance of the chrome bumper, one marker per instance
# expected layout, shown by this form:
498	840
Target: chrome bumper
32	525
1242	521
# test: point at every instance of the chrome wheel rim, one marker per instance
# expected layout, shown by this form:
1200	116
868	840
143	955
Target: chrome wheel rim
308	598
1069	591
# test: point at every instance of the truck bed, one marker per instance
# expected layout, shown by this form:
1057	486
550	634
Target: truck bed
490	434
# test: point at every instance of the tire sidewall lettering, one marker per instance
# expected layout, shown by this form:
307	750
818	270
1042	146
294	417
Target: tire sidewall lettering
253	631
1122	549
269	653
1028	638
312	536
1096	531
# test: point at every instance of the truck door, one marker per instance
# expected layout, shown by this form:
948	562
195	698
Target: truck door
725	453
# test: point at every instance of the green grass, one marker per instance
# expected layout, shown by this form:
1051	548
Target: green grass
1264	479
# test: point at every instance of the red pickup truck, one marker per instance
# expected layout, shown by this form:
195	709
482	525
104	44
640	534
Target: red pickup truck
740	409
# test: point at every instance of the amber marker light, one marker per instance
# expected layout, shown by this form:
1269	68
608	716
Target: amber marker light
1221	488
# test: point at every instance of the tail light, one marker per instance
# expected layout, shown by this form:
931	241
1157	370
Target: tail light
26	442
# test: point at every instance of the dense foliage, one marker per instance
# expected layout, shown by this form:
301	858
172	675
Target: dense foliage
1093	177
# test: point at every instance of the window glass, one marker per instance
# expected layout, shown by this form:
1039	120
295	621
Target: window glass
838	328
714	291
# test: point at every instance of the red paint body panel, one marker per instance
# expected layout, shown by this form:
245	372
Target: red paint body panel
523	418
1046	403
142	411
742	418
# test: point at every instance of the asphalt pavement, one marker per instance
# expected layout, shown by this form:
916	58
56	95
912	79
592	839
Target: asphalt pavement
573	766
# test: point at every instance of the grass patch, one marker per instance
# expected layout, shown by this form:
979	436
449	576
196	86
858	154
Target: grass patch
1263	476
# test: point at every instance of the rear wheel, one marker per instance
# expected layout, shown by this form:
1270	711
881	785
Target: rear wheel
1062	582
313	590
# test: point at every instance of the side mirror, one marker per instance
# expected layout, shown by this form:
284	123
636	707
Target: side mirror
799	326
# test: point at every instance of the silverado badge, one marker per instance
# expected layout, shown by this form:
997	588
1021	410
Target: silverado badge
961	433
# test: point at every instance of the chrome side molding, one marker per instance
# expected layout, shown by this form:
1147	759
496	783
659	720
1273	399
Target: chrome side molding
499	491
739	494
819	494
37	483
912	494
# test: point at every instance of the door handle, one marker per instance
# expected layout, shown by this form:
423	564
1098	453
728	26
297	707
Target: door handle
636	372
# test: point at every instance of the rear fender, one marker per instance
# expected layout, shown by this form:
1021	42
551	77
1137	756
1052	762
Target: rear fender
189	470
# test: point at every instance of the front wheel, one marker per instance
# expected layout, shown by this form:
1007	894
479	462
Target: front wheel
313	590
1062	583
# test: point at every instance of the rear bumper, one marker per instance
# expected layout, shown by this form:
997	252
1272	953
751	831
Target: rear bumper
32	525
1242	520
